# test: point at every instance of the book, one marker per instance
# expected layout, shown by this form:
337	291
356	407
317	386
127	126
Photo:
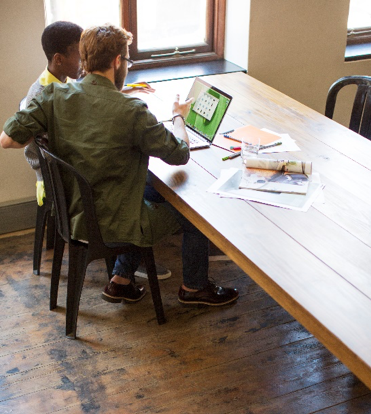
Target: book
278	176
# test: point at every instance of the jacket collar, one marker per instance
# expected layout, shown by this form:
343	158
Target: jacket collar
93	79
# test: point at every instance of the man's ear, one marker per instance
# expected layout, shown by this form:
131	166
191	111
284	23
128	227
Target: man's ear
57	59
117	62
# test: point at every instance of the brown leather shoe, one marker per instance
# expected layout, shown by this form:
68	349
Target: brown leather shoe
211	295
116	293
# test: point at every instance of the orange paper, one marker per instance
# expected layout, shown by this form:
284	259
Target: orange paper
246	132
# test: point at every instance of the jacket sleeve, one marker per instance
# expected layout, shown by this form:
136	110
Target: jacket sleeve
155	140
31	121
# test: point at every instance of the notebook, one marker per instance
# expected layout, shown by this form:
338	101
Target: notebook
206	114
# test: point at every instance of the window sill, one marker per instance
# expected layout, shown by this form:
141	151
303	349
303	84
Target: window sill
182	71
358	52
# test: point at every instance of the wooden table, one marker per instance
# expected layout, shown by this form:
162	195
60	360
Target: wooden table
316	265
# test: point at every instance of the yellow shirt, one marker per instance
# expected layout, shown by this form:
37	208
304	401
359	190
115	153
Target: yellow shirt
46	78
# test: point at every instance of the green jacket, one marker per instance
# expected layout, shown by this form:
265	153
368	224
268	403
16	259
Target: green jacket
108	137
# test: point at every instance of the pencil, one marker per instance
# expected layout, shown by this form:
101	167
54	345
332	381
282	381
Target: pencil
233	139
270	146
137	85
230	157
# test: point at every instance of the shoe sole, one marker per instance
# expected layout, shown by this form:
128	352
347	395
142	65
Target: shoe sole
219	258
200	302
159	277
113	299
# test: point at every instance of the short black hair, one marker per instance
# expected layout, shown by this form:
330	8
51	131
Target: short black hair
58	36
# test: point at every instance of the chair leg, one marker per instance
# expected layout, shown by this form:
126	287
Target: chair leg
50	232
41	216
76	275
149	261
110	264
56	270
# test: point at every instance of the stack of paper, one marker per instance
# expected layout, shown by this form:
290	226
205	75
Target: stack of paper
268	181
228	186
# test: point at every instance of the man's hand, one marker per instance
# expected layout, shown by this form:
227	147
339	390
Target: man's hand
142	87
181	108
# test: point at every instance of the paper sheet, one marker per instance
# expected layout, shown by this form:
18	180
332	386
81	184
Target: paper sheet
266	137
228	186
288	144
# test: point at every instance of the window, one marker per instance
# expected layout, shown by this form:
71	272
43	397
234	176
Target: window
172	31
165	31
83	12
359	22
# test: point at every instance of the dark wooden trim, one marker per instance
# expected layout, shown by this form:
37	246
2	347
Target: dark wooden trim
212	51
171	61
359	36
210	22
219	27
129	20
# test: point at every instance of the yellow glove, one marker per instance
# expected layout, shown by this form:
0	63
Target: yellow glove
40	192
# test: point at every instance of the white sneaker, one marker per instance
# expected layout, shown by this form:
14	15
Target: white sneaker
162	272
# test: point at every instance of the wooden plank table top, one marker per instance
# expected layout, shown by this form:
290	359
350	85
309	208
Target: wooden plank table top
315	264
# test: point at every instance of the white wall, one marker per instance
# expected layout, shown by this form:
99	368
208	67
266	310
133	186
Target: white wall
297	47
22	60
237	32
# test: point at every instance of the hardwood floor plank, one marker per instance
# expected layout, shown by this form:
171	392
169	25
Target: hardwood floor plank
154	379
360	405
245	358
312	399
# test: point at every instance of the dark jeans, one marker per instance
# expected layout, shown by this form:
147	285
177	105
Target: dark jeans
195	249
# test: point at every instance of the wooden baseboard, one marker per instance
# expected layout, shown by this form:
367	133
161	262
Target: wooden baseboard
17	217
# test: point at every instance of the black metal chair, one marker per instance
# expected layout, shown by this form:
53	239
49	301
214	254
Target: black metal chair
82	253
360	120
44	220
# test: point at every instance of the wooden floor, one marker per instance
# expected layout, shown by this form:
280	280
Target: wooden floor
251	357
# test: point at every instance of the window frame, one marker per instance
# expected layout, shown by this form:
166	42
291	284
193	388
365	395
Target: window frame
213	50
359	36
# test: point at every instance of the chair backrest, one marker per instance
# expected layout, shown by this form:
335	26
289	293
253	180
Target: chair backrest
360	120
55	169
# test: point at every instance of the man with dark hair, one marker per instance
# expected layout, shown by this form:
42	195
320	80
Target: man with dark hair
108	136
59	37
60	42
